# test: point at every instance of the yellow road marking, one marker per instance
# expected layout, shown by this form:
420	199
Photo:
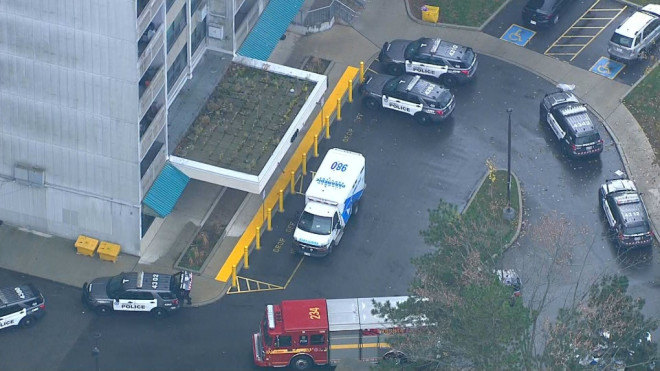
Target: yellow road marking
260	285
573	26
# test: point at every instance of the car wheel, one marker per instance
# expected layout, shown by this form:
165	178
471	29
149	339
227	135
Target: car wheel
422	118
644	54
555	19
27	322
448	80
371	103
158	312
395	69
103	309
302	363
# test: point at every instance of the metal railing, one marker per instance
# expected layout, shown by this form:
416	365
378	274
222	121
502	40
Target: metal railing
317	17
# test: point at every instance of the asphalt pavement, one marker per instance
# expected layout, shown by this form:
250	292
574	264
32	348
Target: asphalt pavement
54	258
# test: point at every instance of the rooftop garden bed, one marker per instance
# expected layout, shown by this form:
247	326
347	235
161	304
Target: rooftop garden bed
244	119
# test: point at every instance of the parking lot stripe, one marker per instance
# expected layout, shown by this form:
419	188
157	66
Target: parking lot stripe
575	26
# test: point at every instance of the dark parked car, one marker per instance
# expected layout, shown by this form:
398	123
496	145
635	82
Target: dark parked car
625	213
410	94
571	124
450	63
543	12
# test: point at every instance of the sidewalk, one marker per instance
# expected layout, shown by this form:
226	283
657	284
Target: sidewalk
55	258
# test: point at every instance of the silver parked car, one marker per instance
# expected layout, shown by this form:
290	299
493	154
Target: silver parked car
634	38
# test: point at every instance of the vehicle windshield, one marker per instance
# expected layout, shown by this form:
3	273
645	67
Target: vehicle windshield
621	40
264	332
468	57
412	49
391	85
543	6
637	228
115	284
444	98
587	139
311	223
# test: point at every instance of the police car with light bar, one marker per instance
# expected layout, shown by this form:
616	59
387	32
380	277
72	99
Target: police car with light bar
450	63
625	213
133	292
20	305
410	94
570	122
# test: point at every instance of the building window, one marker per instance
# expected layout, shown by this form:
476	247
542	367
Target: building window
193	5
177	67
198	35
176	27
169	4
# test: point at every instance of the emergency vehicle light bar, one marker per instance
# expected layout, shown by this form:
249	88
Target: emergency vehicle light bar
140	277
270	314
412	83
436	44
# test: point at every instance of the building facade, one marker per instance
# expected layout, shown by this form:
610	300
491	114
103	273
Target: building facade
85	88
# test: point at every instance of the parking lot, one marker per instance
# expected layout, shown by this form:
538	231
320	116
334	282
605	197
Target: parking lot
579	38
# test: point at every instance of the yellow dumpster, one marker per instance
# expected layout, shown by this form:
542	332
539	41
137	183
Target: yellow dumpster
430	13
108	251
86	245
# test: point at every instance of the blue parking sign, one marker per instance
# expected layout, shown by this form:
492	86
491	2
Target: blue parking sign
518	35
607	67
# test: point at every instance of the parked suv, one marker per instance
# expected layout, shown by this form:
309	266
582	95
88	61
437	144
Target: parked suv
625	213
543	12
410	94
20	305
133	292
635	37
450	63
571	124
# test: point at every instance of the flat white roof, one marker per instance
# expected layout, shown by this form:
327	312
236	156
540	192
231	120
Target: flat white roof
335	177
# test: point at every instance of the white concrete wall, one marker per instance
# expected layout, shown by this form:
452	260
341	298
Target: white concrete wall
69	105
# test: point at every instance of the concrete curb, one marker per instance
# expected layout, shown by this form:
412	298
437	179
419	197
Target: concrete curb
520	206
457	26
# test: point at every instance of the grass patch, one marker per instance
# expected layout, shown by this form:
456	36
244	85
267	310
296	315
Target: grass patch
488	203
461	12
644	103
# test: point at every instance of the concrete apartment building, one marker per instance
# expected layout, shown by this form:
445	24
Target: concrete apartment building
85	87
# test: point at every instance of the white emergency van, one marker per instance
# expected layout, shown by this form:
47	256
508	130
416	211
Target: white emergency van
331	199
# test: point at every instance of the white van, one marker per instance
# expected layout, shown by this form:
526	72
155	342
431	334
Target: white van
331	199
635	37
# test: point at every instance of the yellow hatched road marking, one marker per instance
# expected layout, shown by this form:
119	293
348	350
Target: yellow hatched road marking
252	285
547	51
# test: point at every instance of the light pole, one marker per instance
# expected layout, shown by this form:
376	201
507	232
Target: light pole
508	211
96	351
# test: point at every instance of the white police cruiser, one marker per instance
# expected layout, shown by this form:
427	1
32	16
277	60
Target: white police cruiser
410	94
625	213
450	63
20	306
133	292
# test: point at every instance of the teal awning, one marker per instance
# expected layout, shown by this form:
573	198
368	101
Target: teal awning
271	25
166	190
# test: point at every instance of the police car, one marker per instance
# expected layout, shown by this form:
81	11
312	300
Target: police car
133	292
410	94
450	63
571	124
625	213
20	306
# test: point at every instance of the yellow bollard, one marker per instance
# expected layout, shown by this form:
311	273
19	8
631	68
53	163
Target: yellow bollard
258	238
234	279
270	219
304	163
361	72
350	90
316	145
338	109
281	200
327	127
245	258
293	182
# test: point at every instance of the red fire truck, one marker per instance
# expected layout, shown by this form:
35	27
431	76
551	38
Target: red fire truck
302	333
